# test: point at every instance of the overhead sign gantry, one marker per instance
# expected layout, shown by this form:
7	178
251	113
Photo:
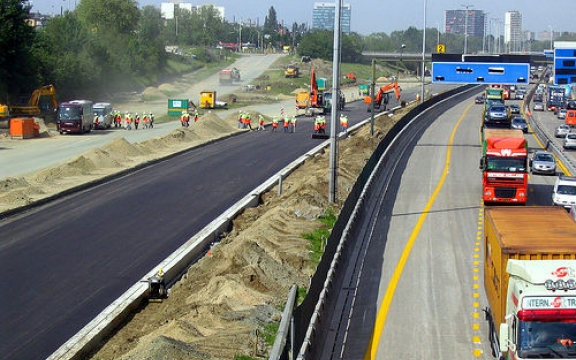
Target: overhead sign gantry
480	69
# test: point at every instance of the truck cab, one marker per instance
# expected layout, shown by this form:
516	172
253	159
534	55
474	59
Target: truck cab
540	311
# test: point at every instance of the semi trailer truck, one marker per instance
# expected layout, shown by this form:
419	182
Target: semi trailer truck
530	282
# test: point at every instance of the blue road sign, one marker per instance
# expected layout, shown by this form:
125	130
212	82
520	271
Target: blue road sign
480	73
564	66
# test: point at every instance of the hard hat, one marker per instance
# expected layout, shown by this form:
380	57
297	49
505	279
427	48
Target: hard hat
183	112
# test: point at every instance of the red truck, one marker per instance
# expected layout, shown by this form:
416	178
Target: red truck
504	165
229	76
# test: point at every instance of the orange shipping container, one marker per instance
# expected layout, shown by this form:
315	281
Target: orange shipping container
22	128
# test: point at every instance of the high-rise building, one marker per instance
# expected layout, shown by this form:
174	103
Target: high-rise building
513	31
168	9
466	21
323	16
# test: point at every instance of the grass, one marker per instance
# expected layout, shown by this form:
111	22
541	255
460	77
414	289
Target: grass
319	236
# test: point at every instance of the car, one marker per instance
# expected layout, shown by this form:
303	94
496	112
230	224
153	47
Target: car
514	109
519	123
564	193
561	130
479	99
497	113
561	114
538	106
569	141
543	162
519	95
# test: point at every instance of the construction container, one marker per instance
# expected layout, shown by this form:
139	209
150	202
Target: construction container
176	106
22	128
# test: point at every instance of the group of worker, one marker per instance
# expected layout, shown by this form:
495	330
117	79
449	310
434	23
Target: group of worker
288	123
147	120
320	124
185	118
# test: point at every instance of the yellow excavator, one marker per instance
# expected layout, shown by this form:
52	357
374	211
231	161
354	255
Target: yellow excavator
42	102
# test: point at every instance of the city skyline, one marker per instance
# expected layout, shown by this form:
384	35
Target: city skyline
369	16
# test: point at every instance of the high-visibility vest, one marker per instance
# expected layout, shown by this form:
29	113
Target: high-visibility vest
286	122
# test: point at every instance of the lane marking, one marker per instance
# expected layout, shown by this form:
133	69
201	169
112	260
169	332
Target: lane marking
372	349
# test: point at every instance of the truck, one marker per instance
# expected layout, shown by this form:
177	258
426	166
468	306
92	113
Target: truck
556	97
530	282
492	95
229	76
504	164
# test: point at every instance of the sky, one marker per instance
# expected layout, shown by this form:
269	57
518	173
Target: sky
372	16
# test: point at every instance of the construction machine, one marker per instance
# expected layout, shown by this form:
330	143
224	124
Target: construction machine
382	98
292	71
317	103
208	100
42	102
229	76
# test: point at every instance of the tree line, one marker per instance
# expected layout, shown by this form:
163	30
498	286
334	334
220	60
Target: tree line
113	46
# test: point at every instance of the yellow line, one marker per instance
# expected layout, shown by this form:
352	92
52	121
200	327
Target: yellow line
387	301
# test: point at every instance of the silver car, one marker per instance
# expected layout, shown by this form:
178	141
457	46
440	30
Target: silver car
519	123
569	141
561	130
561	114
538	106
543	162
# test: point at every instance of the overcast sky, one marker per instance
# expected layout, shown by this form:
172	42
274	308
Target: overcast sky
370	16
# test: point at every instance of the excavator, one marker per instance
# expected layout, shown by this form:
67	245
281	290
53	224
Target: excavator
316	103
42	102
383	96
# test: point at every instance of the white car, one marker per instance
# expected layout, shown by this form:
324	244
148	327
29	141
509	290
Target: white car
564	193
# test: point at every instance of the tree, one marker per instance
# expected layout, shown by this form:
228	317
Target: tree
271	22
109	16
17	70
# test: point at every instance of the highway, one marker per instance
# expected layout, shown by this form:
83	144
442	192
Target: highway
66	261
421	293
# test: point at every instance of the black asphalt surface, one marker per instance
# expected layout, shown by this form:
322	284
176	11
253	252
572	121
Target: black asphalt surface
64	262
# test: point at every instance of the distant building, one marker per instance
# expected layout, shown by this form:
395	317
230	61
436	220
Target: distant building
323	15
168	9
513	31
37	20
455	22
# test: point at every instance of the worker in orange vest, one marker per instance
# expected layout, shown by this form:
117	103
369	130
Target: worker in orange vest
261	123
248	120
286	124
128	121
343	123
146	120
185	119
274	123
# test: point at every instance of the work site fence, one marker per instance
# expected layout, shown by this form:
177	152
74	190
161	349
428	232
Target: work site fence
311	318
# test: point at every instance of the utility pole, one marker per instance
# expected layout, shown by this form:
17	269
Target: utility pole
466	6
334	119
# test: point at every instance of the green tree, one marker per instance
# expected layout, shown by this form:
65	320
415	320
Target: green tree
17	65
271	21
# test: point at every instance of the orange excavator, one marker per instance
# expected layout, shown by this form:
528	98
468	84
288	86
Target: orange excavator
383	96
315	103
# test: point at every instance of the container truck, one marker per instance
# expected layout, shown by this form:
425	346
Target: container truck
504	164
530	282
556	97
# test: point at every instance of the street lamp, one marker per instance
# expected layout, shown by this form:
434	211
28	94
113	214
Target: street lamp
423	53
402	47
468	6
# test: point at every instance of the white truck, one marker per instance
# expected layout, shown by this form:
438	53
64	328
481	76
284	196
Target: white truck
530	282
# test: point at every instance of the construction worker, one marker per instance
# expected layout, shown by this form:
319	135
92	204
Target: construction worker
117	119
343	123
240	120
261	123
286	124
274	123
320	124
146	120
136	121
95	121
128	120
294	119
248	120
151	120
196	115
185	118
323	124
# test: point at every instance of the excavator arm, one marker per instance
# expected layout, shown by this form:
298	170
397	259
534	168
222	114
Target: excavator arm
381	97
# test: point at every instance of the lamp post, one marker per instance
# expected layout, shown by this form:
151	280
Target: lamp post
423	53
468	6
551	36
402	47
